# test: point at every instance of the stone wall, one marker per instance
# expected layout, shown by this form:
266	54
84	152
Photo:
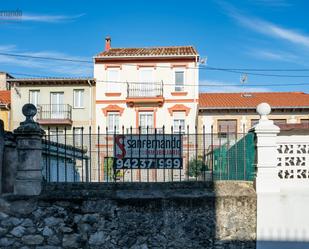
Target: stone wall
136	216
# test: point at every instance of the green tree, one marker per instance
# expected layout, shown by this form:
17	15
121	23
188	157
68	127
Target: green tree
109	171
196	167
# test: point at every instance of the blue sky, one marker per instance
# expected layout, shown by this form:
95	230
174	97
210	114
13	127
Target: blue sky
264	34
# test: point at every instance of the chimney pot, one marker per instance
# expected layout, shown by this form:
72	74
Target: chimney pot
107	43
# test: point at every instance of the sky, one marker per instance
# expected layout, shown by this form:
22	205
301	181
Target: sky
240	34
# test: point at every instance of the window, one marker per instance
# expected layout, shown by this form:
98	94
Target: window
179	122
146	120
179	80
113	84
254	122
34	97
146	85
57	136
78	136
113	122
57	106
279	121
78	98
226	127
304	121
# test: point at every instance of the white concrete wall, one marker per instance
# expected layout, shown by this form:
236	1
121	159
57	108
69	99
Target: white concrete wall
282	216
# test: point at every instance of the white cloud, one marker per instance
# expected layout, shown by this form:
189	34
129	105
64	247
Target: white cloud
48	67
49	18
272	3
214	86
274	55
265	27
31	17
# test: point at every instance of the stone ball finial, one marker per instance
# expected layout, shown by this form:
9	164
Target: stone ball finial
263	110
29	126
29	110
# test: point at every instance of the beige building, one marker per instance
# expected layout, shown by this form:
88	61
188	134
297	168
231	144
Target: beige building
236	112
4	77
61	102
5	108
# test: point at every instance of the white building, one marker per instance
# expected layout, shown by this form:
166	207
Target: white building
146	87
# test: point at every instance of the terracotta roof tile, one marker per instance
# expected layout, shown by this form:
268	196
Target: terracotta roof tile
149	52
5	97
251	100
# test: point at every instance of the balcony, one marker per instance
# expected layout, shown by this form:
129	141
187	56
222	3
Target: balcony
58	114
145	92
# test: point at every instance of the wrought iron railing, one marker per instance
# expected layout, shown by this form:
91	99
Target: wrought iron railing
159	156
144	89
54	111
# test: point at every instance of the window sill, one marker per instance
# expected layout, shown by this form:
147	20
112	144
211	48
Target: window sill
112	94
180	93
78	107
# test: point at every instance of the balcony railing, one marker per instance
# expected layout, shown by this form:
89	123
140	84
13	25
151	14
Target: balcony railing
54	114
144	89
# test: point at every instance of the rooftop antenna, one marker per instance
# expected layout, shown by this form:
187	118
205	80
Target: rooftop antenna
204	60
243	80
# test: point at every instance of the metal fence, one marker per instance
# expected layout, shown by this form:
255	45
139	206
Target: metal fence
54	111
154	155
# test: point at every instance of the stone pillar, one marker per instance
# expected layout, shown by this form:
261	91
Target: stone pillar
267	180
1	152
29	150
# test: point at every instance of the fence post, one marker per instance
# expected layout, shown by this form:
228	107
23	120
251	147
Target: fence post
267	180
29	149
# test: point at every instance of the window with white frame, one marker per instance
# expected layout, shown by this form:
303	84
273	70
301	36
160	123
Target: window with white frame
113	122
146	120
113	84
78	133
146	85
179	79
34	97
56	136
179	122
78	96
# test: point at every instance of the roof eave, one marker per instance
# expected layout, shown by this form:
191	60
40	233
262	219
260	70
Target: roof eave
252	108
55	80
145	56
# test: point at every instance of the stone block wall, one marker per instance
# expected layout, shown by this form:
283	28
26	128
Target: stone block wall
133	216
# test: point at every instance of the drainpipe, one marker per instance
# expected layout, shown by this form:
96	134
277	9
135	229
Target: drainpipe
90	103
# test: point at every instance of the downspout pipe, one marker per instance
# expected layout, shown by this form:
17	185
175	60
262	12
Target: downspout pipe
90	103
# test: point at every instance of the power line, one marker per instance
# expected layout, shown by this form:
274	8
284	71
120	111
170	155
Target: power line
201	85
32	75
172	84
230	70
45	58
257	74
263	69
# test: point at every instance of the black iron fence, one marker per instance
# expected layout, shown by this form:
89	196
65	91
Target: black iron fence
153	155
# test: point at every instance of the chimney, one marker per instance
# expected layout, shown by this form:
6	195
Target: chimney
107	43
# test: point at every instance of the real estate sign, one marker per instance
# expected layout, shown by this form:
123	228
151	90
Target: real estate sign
148	151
